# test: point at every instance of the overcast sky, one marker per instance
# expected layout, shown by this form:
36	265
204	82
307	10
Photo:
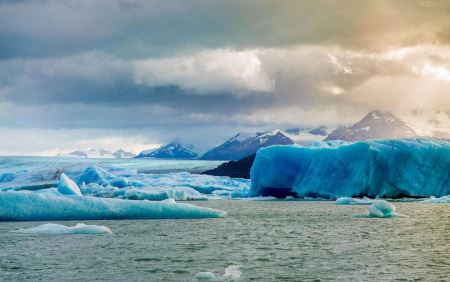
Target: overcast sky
135	74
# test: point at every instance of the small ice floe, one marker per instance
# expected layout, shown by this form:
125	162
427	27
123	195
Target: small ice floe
434	200
205	275
58	229
380	209
232	273
353	201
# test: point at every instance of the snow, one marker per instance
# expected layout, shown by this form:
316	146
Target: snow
353	201
441	200
66	186
27	205
205	275
382	208
415	167
58	229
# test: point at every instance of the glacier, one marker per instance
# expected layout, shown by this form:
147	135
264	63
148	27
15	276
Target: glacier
27	205
58	229
410	167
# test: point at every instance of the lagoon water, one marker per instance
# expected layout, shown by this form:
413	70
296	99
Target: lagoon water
271	240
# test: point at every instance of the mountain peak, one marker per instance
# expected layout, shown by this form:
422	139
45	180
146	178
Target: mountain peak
96	153
375	125
245	144
172	150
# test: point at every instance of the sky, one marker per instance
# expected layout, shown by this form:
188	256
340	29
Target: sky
135	74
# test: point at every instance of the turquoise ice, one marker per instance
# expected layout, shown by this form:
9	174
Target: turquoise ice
416	167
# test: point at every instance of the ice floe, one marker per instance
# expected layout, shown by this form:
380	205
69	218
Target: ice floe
58	229
353	201
25	205
440	200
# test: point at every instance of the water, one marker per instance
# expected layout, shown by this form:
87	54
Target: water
272	240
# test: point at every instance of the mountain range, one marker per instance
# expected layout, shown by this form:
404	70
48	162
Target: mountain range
98	154
170	151
374	125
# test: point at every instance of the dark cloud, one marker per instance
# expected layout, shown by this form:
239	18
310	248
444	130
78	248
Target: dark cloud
139	29
202	70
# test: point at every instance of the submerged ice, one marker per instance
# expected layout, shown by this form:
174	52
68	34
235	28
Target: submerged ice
58	229
385	168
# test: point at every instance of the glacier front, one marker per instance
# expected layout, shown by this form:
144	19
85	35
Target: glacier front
413	167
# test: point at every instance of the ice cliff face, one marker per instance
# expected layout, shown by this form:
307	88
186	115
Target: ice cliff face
386	168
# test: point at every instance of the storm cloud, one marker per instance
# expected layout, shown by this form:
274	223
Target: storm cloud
139	73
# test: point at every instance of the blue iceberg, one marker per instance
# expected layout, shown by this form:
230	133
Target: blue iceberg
416	167
27	205
66	186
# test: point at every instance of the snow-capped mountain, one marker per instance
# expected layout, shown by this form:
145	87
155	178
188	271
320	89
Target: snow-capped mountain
375	125
245	144
170	151
304	135
121	154
98	154
429	123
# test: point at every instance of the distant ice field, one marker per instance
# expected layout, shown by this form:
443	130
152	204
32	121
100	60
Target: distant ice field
14	164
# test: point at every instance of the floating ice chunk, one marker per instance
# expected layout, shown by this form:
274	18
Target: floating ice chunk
353	201
382	208
49	206
441	200
57	229
66	186
205	275
232	272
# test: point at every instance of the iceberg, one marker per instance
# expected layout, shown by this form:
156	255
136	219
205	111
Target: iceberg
205	275
382	208
58	229
180	186
66	186
232	272
27	205
414	167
